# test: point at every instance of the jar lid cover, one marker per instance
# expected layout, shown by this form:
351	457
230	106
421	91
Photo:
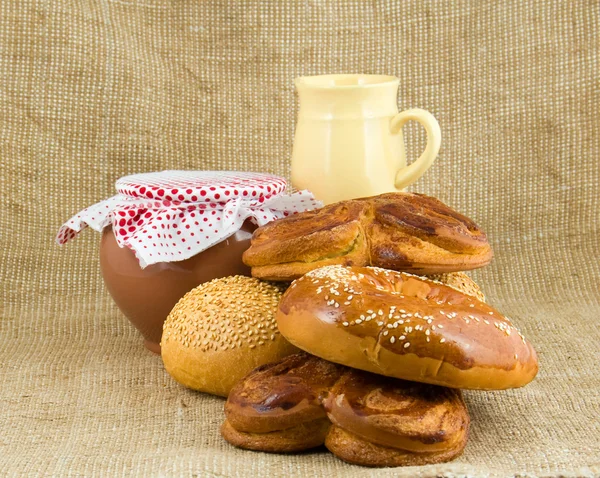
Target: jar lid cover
170	216
207	186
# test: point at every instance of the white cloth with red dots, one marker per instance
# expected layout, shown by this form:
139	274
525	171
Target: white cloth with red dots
173	215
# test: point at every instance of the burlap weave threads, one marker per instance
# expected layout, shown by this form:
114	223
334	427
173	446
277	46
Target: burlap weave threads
93	90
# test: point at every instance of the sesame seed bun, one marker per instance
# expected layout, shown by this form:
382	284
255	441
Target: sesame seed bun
461	282
404	326
220	331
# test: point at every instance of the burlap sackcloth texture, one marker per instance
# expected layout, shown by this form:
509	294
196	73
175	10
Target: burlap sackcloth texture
92	90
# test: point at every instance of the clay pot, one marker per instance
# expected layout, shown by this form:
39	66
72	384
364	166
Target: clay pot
146	296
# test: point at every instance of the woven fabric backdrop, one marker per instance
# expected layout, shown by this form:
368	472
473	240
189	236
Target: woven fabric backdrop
92	90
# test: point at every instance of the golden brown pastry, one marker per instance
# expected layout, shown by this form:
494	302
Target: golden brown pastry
350	448
404	326
409	416
399	231
278	407
220	331
301	437
377	421
282	395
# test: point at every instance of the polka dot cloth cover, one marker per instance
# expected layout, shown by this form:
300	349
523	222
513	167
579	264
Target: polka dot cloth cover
173	215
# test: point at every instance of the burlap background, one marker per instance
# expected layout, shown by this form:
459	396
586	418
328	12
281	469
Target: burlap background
91	90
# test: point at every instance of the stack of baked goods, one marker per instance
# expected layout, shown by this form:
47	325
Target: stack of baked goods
385	352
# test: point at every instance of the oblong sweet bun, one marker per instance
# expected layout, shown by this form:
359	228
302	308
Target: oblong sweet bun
404	326
220	331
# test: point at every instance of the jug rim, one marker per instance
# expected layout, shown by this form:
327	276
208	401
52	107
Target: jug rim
345	81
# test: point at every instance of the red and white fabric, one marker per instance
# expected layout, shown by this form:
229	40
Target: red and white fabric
173	215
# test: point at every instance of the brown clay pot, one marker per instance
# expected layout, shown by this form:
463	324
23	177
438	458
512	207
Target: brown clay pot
146	296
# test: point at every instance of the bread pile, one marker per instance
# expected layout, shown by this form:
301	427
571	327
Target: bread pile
303	402
385	351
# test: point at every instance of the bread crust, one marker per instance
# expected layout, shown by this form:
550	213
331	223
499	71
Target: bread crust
404	326
301	437
399	231
352	449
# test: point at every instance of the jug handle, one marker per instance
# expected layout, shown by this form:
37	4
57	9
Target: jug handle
414	171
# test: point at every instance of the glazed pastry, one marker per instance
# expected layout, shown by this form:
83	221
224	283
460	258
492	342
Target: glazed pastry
404	326
282	394
351	448
377	421
278	407
386	422
399	231
301	437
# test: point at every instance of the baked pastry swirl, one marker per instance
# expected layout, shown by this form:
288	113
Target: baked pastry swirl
303	401
399	231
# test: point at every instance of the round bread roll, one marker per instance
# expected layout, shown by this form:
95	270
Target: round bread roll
404	326
461	282
220	331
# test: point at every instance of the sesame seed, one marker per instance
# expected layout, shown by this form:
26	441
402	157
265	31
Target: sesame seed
203	320
392	339
442	341
406	345
345	324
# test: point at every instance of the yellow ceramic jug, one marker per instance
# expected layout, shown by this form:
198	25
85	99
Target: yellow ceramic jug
348	141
